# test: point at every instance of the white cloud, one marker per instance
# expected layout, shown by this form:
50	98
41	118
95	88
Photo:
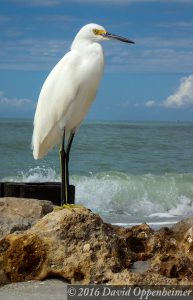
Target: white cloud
35	54
31	54
183	25
183	97
164	43
150	103
18	103
150	54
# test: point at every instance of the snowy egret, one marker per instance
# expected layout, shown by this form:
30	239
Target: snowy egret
67	94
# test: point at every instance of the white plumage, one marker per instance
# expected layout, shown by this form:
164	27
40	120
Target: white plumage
66	96
69	89
68	92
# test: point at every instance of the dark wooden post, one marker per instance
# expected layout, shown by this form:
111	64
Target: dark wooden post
40	190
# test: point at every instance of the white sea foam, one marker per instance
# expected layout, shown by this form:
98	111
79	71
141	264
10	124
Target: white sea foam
155	197
149	223
184	206
161	215
150	195
37	174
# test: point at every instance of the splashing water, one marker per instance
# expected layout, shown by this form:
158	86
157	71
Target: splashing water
37	174
132	197
150	180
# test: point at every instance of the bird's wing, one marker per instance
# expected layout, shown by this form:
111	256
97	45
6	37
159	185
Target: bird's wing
57	93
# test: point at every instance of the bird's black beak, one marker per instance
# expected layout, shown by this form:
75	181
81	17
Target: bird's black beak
117	37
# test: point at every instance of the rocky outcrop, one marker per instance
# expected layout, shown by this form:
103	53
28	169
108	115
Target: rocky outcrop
72	243
18	214
76	245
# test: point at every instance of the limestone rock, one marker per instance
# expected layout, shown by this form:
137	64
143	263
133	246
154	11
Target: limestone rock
187	243
72	243
141	240
181	228
17	214
174	259
148	278
76	245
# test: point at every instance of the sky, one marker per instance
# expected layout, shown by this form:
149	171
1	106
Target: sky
151	80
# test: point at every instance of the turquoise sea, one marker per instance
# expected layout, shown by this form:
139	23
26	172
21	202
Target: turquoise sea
129	172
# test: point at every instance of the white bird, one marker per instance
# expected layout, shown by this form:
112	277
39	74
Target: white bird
67	94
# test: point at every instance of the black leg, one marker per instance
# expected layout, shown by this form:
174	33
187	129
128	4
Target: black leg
67	162
69	145
64	186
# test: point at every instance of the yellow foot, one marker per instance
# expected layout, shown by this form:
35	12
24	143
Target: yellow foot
68	206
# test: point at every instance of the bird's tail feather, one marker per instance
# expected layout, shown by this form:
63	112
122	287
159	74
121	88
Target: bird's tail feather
42	146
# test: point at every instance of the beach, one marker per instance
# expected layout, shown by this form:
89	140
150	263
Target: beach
50	289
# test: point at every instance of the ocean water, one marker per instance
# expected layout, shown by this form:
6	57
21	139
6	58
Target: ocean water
128	172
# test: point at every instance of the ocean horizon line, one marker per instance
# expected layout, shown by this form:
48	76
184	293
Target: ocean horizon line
105	121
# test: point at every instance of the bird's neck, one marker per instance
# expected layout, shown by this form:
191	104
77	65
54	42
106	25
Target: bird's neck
81	44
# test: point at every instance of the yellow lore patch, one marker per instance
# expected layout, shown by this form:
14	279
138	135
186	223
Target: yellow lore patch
99	32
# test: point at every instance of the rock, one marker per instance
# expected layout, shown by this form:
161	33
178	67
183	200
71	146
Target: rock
71	243
183	233
181	227
76	245
141	240
187	243
147	279
174	259
18	214
173	266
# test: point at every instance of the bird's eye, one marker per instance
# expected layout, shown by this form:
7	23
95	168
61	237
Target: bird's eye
96	31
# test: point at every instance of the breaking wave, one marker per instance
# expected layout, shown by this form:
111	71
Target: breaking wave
135	196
